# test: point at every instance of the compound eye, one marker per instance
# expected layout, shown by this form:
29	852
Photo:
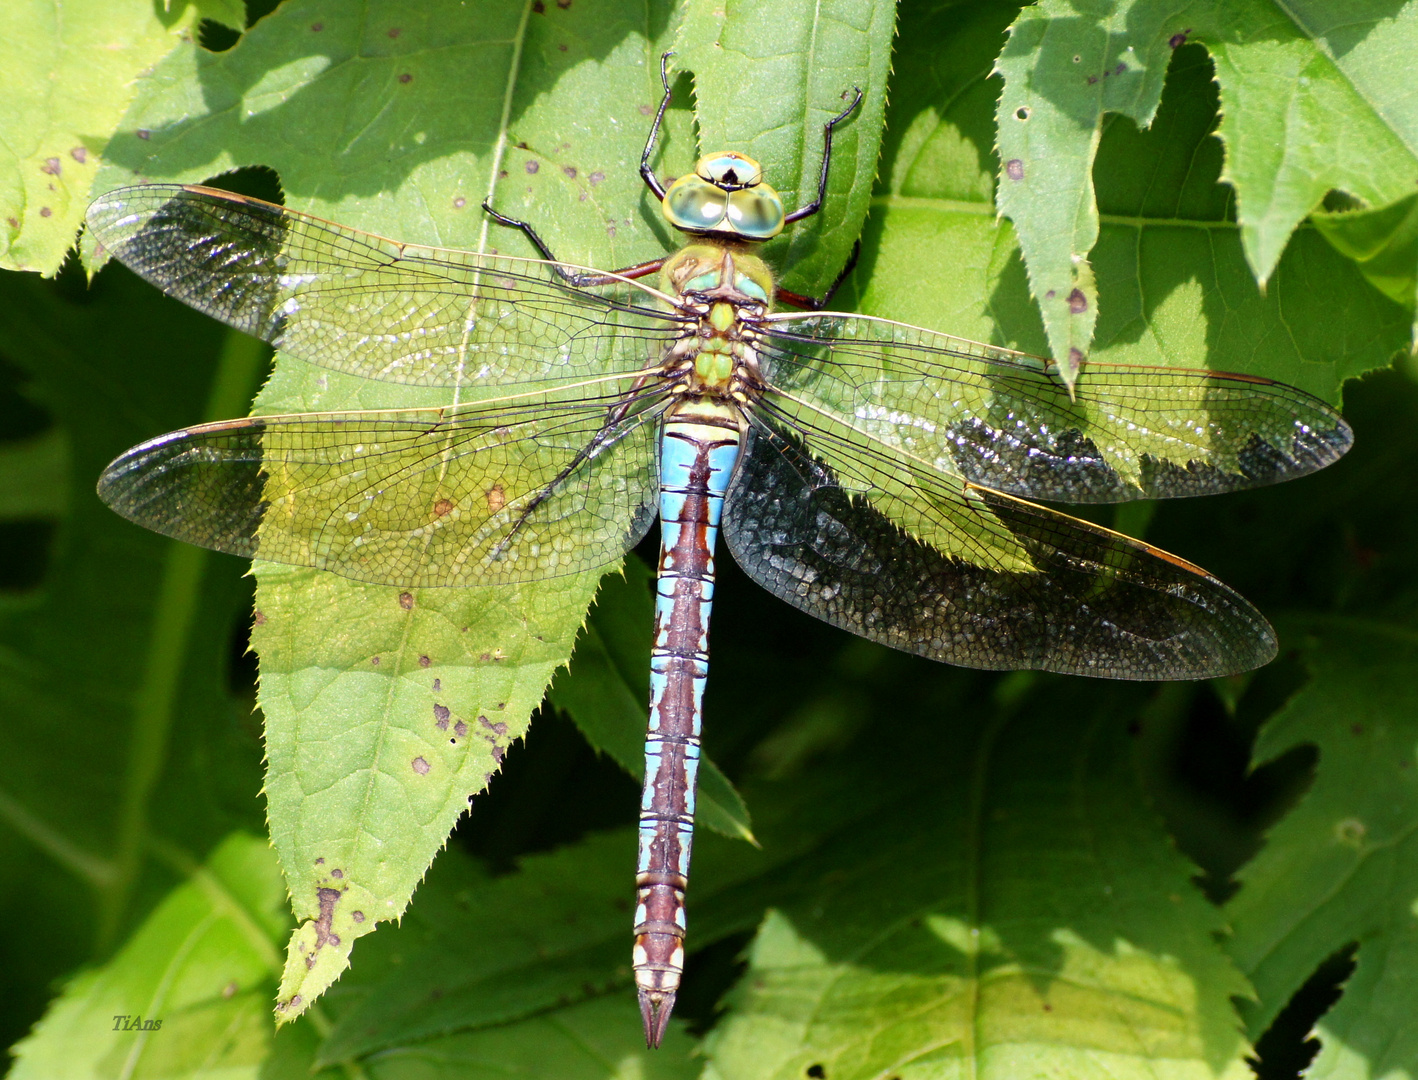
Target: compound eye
729	170
695	205
756	214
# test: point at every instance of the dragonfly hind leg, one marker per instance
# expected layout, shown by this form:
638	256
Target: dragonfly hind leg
579	280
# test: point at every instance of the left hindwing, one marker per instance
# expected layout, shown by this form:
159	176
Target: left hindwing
1021	587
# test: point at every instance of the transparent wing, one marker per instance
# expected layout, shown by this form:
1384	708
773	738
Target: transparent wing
423	497
1004	419
372	307
1025	588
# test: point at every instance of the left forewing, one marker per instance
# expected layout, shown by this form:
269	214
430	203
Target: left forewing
1005	419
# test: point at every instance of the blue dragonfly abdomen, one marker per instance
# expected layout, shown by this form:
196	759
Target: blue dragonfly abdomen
698	452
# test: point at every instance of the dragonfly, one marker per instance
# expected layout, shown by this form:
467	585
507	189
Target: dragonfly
876	475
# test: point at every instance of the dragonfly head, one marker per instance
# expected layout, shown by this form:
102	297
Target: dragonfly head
725	196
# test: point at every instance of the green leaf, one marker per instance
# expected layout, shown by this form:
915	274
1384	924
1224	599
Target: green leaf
121	732
70	73
187	993
1034	918
607	685
477	952
1311	102
1383	242
767	77
1340	868
1169	262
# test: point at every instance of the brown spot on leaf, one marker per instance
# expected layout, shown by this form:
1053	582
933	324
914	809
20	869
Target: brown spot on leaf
230	989
1092	79
442	508
14	223
498	728
374	660
420	766
45	211
328	899
316	27
645	110
440	716
406	601
337	873
532	166
50	166
1077	302
144	133
460	728
1176	41
406	78
1014	169
357	916
498	754
394	31
424	661
538	8
459	203
320	861
259	618
496	498
437	685
569	170
596	177
562	48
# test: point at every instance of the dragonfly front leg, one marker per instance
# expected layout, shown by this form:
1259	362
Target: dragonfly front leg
579	280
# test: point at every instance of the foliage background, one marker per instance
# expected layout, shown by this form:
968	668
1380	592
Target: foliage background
955	872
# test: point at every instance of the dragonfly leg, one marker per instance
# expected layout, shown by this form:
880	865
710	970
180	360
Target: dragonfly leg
817	303
580	280
816	204
646	172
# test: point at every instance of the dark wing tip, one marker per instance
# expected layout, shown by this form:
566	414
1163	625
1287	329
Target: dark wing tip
214	251
203	487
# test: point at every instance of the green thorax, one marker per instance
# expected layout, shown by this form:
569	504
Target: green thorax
727	290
